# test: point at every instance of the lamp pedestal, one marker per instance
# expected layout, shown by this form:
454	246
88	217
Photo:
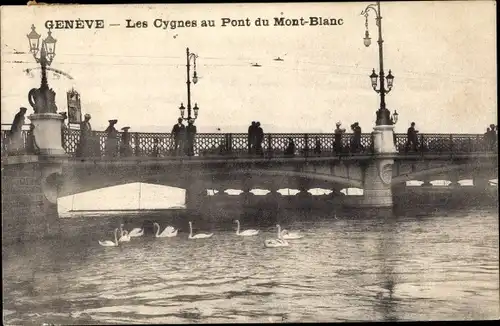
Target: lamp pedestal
383	139
47	133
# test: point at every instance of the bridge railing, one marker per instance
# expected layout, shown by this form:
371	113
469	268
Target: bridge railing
236	144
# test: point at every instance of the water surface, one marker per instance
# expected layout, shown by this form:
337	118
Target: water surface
421	265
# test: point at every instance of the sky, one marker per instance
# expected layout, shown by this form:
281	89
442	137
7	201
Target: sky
442	54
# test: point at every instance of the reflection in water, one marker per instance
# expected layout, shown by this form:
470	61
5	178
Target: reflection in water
431	265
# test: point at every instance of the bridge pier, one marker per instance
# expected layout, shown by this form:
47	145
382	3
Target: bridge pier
196	193
29	197
377	188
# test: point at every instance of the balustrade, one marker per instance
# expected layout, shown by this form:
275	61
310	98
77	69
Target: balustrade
273	145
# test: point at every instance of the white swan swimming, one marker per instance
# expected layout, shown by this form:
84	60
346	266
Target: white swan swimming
279	242
169	231
199	235
245	233
290	235
109	243
125	237
136	232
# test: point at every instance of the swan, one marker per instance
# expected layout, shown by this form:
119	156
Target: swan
136	232
290	235
279	242
197	236
169	231
125	237
245	233
273	243
109	243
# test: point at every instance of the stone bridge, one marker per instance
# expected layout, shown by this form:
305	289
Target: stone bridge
34	177
333	173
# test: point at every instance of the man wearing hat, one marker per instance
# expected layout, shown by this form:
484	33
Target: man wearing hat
338	137
111	146
125	148
85	137
178	133
411	135
16	143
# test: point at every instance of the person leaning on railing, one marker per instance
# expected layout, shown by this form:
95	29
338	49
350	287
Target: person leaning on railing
16	143
31	145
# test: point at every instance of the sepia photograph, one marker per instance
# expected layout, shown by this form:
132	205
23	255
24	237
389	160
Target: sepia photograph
249	162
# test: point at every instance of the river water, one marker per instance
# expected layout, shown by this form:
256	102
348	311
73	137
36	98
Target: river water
425	264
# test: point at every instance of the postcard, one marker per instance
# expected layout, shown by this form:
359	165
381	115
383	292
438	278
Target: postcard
249	162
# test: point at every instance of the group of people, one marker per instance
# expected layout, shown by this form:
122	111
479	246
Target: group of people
184	137
255	138
491	136
89	145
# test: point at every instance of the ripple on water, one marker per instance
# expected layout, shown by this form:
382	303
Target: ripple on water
343	270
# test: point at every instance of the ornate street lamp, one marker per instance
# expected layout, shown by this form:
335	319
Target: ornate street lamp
47	51
45	119
394	117
182	109
383	115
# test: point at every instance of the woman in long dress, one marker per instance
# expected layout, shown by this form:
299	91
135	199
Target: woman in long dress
83	148
111	146
125	148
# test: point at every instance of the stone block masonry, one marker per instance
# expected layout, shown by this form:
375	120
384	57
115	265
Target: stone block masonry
26	212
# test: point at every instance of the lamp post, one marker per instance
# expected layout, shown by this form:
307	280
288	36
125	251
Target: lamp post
189	57
383	115
46	120
47	52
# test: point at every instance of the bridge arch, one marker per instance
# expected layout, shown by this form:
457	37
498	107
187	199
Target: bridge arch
322	178
426	173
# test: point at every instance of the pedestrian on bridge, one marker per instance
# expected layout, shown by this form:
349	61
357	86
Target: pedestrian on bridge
125	148
64	128
252	133
290	149
356	138
490	138
317	148
111	147
338	137
85	144
259	138
16	142
411	138
179	134
190	136
31	145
